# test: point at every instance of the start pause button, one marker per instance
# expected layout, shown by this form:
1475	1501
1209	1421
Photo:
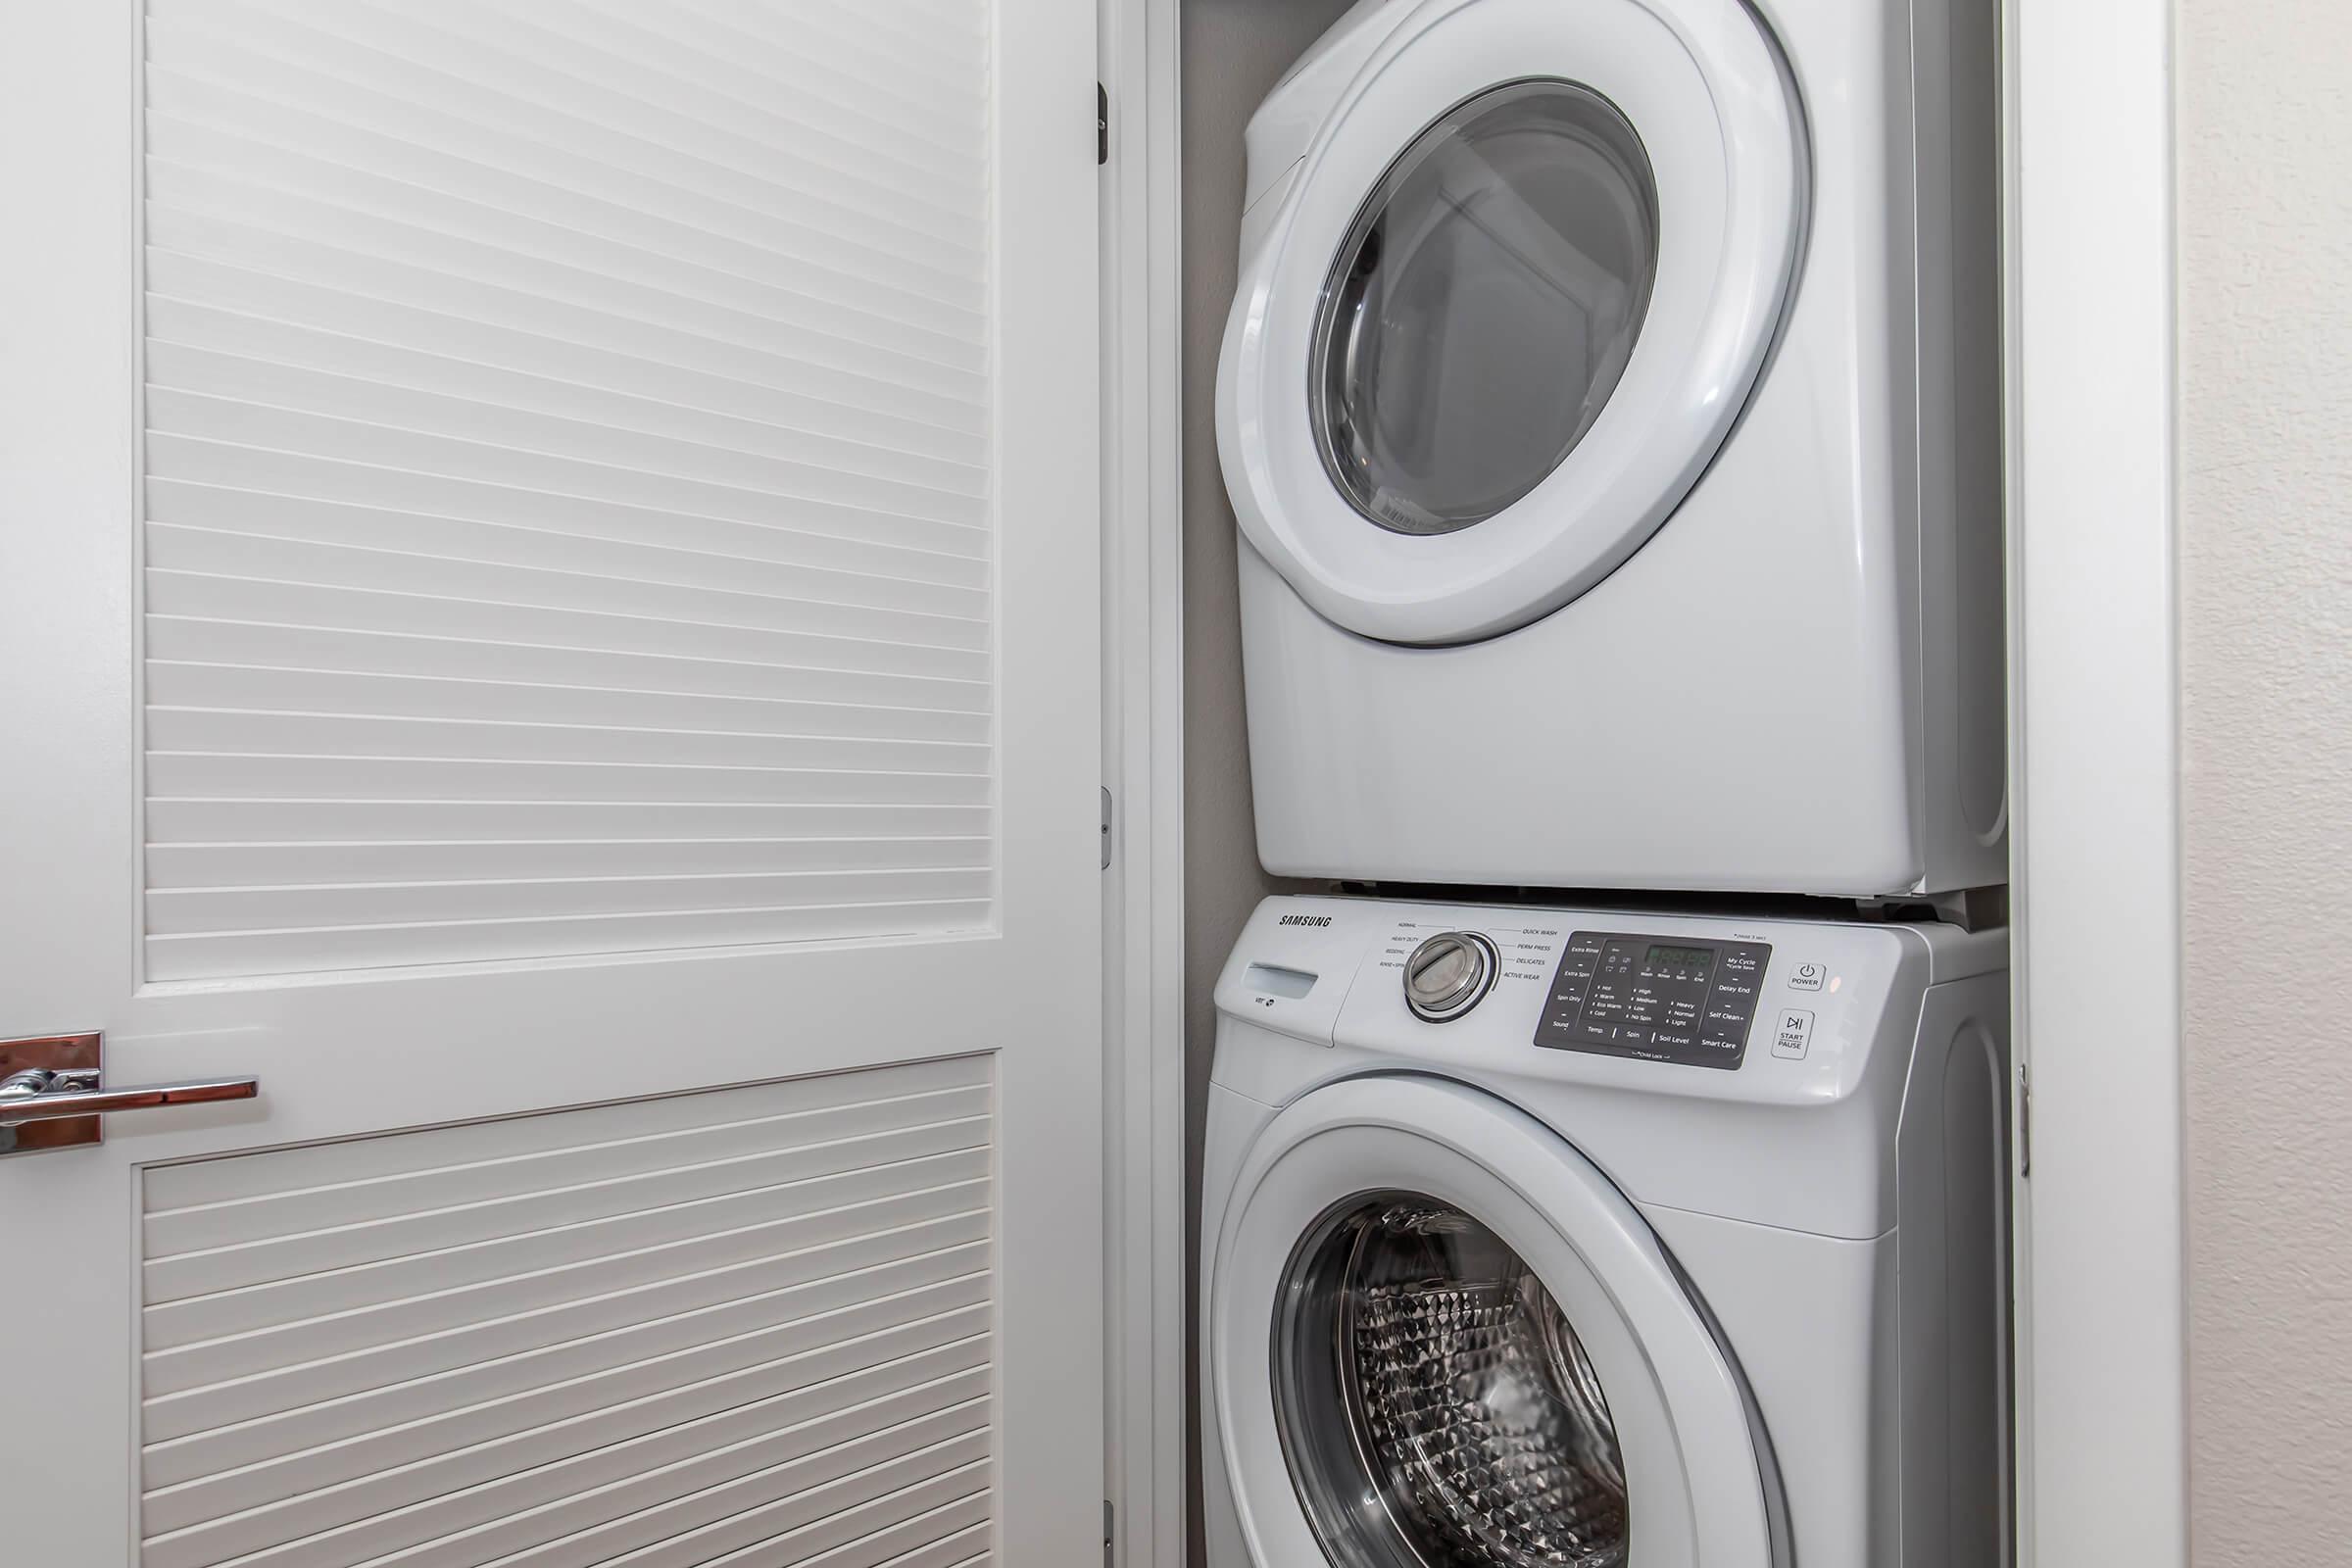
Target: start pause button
1795	1034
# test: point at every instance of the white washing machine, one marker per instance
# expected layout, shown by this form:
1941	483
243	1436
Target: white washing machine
1610	408
1571	1237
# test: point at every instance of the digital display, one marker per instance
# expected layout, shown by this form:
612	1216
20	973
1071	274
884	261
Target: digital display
1695	963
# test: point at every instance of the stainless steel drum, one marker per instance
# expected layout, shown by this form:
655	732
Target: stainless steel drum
1435	1407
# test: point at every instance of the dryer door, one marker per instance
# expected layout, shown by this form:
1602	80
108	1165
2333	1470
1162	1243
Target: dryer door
1440	1339
1510	307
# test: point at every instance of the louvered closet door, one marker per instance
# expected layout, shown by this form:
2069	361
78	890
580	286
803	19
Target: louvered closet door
549	609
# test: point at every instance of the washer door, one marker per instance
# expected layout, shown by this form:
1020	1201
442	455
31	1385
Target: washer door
1514	300
1440	1339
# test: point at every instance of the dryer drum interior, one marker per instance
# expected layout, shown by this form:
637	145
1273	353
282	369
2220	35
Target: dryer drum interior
1435	1407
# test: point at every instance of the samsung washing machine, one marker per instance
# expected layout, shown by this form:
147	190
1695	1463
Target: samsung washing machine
1610	406
1569	1237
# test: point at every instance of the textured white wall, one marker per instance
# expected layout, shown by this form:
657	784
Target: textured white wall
2264	152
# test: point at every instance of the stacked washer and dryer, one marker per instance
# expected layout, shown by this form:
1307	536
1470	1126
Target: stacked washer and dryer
1609	405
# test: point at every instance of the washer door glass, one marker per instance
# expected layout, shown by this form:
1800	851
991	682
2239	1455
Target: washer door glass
1435	1406
1483	306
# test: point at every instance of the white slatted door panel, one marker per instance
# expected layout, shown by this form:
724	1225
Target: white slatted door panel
745	1325
567	500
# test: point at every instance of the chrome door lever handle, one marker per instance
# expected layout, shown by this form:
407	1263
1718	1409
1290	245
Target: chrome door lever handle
36	1095
54	1093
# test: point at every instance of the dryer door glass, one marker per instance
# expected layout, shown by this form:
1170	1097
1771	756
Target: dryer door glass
1483	306
1435	1406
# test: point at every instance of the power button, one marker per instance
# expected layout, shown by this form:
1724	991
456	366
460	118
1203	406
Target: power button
1807	977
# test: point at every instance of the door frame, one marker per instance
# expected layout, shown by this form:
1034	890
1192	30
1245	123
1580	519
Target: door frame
1148	1274
2095	765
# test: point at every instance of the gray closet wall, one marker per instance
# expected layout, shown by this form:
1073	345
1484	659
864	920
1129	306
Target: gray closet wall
1233	50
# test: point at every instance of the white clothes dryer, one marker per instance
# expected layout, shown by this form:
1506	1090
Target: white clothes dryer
1609	405
1604	1240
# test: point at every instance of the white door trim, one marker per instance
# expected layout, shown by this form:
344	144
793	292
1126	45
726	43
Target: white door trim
2094	756
1143	443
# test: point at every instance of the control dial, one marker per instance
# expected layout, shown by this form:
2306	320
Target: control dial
1447	974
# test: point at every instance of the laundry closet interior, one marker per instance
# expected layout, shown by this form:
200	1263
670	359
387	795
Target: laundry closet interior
1593	681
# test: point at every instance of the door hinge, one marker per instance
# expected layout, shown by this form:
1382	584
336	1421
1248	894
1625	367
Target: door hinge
1105	827
1102	123
2025	1125
1110	1532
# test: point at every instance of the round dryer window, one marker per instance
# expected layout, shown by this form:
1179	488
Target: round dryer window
1421	1363
1513	295
1483	306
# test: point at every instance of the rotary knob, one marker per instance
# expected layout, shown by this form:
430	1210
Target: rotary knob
1447	974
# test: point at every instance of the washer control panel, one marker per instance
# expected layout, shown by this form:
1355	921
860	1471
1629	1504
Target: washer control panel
1685	1000
1704	1006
